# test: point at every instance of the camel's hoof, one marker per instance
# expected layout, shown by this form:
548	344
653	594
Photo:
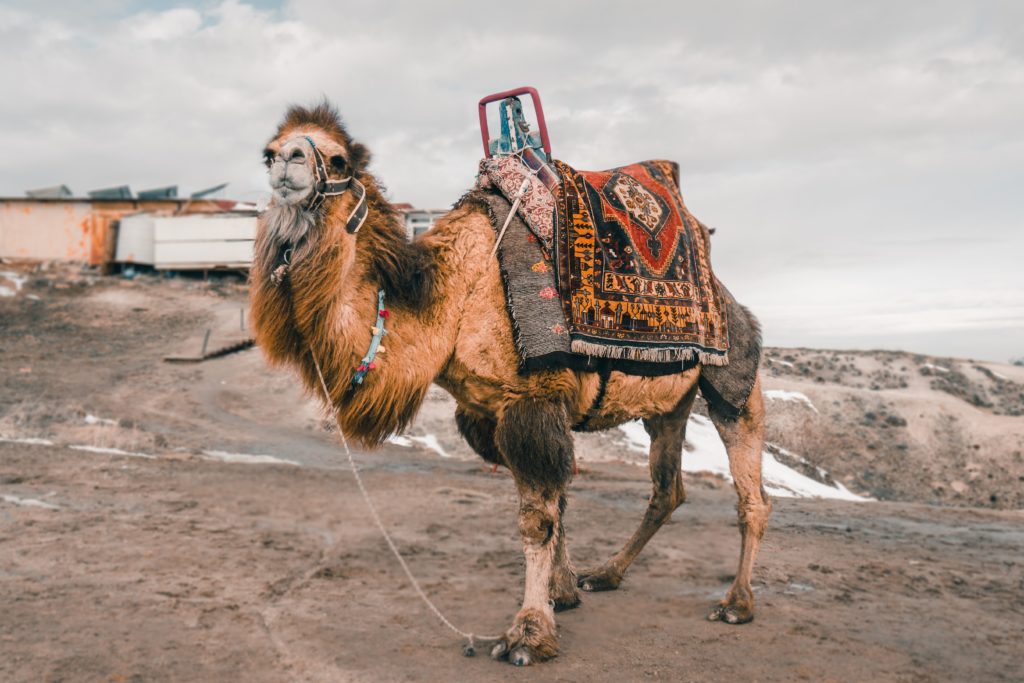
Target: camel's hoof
599	580
564	594
531	639
566	602
520	657
731	614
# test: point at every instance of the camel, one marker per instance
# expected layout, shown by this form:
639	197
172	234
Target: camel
314	295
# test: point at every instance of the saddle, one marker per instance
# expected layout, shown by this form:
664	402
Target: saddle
611	264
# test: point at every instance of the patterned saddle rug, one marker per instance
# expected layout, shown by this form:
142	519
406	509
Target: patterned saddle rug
632	266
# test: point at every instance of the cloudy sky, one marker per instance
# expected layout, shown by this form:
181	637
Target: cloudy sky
863	162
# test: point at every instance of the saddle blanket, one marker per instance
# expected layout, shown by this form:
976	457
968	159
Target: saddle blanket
632	265
634	269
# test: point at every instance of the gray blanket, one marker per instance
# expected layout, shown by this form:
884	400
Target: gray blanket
538	321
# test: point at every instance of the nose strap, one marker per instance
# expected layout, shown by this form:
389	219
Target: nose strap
326	187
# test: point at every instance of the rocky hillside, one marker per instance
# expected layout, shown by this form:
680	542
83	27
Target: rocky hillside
902	426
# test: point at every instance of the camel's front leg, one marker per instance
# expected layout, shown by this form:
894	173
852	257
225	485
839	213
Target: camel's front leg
479	432
533	435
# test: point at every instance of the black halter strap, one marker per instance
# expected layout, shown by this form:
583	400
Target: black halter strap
325	187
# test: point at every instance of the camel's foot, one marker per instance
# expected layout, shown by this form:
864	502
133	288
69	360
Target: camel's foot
532	638
563	591
733	611
603	578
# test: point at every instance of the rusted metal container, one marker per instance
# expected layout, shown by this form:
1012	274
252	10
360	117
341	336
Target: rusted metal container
73	229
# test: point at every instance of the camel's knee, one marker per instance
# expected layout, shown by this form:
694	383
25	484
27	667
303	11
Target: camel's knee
677	493
536	525
666	499
753	516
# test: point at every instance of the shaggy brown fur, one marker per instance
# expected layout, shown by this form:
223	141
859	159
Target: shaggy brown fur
448	325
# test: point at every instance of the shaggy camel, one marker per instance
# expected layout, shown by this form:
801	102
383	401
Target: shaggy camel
315	281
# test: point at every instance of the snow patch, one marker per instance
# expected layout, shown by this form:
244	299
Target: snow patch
936	368
91	419
781	362
247	458
795	396
431	442
17	281
109	451
785	482
705	452
428	440
27	441
29	502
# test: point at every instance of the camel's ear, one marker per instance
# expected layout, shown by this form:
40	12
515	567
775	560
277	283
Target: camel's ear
359	157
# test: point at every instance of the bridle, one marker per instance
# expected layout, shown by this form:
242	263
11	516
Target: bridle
324	187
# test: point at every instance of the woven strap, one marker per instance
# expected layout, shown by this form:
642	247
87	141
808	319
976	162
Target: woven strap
368	363
326	187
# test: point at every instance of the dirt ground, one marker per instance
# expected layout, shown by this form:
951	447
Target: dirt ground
131	551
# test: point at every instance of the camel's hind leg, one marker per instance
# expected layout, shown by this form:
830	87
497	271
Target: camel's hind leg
667	433
744	441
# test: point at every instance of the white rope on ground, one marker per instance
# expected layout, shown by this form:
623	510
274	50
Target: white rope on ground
470	649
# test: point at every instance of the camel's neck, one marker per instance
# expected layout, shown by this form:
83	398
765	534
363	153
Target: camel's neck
326	307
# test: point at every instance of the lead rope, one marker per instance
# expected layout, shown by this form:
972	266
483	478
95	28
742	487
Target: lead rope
471	640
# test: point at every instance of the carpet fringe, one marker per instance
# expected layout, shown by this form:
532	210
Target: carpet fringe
650	355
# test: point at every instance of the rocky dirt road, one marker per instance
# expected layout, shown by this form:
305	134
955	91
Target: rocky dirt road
188	570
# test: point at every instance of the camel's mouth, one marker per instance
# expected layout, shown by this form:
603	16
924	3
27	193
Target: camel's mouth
291	172
288	222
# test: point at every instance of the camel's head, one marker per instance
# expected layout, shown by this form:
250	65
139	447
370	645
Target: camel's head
304	139
314	169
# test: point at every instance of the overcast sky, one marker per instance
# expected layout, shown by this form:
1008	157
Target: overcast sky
863	162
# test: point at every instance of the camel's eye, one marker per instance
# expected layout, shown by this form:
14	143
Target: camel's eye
338	163
268	158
